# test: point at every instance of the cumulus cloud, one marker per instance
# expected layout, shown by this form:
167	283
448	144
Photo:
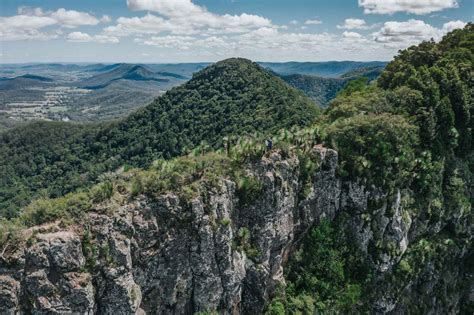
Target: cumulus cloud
450	26
261	40
72	18
183	16
352	35
29	22
169	41
79	37
409	6
22	27
148	24
105	19
412	32
351	24
313	22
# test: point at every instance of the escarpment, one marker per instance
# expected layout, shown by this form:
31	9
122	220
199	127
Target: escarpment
213	253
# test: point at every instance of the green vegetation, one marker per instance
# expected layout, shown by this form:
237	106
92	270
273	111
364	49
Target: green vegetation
248	190
410	131
321	90
413	131
325	274
357	85
376	148
231	98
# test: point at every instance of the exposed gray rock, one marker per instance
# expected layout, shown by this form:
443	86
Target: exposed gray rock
166	255
53	280
9	295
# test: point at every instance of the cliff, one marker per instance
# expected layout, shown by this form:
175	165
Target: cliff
169	255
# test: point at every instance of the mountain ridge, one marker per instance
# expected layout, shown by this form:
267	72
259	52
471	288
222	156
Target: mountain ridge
133	72
234	97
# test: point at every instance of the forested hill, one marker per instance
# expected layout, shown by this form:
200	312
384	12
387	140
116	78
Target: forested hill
231	97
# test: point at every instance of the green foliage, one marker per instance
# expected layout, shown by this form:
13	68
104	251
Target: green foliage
324	274
442	74
249	189
234	97
360	103
376	148
184	174
90	250
69	207
10	233
242	242
43	160
321	90
225	222
353	86
276	307
102	191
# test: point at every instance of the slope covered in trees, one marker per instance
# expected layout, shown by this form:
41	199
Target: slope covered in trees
232	97
322	90
402	239
410	133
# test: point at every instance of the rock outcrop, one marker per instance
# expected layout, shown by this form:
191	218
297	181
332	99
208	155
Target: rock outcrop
165	255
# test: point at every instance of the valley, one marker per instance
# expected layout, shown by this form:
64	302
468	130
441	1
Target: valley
98	92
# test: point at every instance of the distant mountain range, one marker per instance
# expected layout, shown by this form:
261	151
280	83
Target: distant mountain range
28	76
329	69
23	81
127	72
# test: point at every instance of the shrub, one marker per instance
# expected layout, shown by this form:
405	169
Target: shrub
69	207
249	188
102	191
276	307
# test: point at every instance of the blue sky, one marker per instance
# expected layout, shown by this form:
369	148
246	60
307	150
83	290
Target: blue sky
210	30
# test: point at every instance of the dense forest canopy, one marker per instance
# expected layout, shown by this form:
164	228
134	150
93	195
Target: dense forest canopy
232	97
413	131
426	91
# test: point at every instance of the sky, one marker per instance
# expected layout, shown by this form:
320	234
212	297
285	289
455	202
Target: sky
164	31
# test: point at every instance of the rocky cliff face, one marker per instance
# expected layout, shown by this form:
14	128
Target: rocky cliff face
165	255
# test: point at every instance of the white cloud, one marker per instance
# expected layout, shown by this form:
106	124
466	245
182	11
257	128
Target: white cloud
452	25
72	18
30	22
408	6
183	16
412	32
405	32
265	39
351	24
25	10
313	22
170	41
294	22
22	27
79	37
105	19
148	24
352	35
